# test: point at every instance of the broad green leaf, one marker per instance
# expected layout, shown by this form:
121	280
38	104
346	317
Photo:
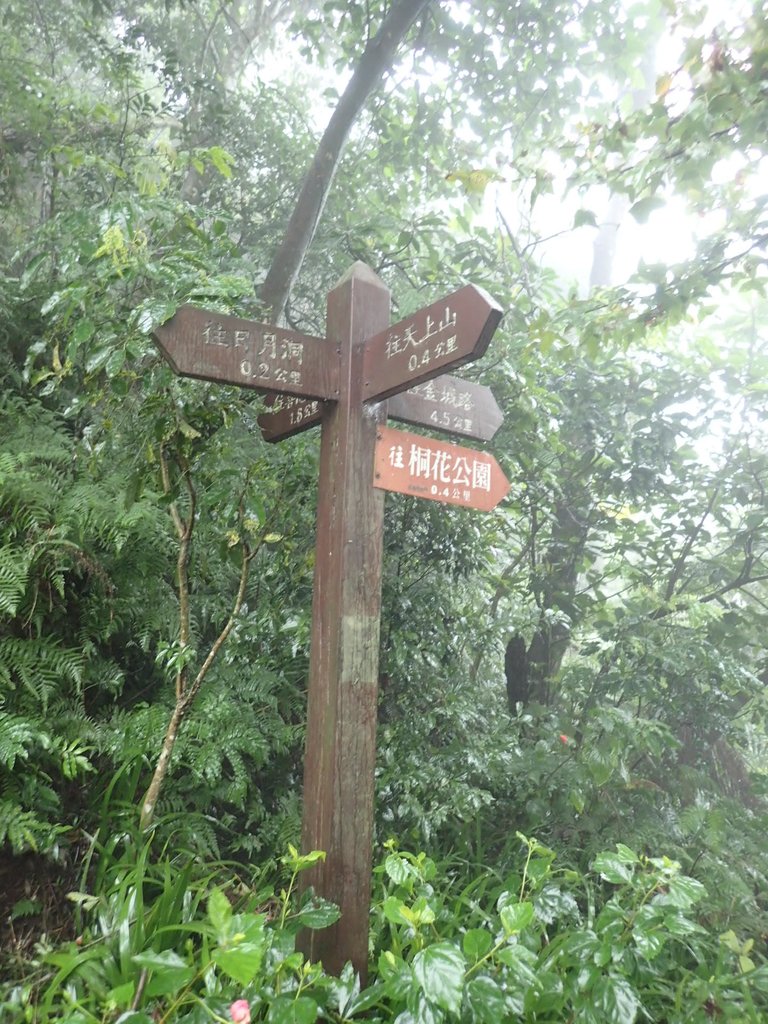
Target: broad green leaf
648	931
649	943
425	1012
82	332
301	861
485	1001
522	964
398	869
439	971
154	313
241	962
345	989
287	1010
546	993
420	913
318	913
679	924
612	868
219	913
169	972
115	363
476	943
682	892
395	910
165	961
515	917
615	1000
396	974
122	995
553	902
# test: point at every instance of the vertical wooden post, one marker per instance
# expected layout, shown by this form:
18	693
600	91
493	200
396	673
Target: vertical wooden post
344	661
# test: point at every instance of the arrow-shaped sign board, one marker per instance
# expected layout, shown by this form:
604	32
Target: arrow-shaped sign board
411	464
450	332
288	415
226	349
448	404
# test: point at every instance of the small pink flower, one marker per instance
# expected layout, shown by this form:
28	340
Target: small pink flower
240	1012
563	738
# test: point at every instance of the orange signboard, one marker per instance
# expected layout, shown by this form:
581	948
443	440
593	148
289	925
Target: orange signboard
411	464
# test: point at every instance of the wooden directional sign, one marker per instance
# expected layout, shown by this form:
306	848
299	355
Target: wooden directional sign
450	332
289	415
343	381
212	346
448	404
411	464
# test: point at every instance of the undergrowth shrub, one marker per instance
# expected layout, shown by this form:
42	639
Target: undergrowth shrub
620	943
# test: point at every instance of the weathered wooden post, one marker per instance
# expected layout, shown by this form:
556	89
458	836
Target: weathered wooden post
344	381
344	660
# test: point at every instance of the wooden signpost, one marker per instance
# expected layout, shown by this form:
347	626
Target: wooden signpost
447	404
343	381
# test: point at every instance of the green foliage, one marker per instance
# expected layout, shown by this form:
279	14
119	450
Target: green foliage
151	154
617	943
82	542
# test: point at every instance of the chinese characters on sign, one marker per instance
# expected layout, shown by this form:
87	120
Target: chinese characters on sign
438	340
448	333
198	343
412	464
449	404
288	415
268	355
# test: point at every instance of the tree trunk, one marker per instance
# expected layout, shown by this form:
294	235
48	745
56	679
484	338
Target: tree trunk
529	673
376	60
161	768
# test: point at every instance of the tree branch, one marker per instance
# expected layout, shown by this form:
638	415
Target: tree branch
185	694
376	60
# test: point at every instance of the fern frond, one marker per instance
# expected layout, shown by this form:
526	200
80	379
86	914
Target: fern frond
23	830
14	576
16	735
41	666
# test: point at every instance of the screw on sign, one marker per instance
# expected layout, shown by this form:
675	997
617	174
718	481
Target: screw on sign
420	466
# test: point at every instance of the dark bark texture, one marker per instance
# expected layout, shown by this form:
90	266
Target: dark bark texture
376	60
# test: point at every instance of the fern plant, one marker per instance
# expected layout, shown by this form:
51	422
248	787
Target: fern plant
61	530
